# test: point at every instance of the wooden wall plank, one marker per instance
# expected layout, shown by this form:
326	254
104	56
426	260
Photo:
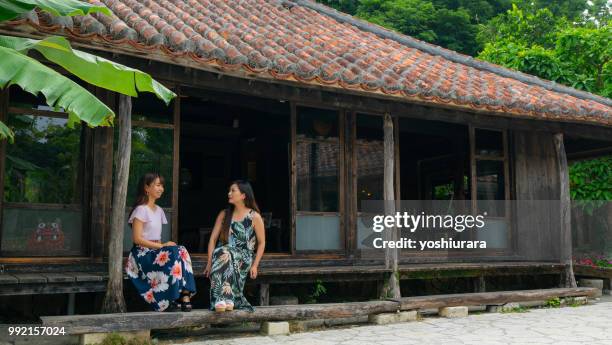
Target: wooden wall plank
536	179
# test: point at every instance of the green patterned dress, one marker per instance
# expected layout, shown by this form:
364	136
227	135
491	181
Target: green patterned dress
231	263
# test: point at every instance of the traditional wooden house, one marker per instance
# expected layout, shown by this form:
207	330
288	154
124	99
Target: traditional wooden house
293	96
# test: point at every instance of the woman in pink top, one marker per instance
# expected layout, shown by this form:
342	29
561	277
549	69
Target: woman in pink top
161	272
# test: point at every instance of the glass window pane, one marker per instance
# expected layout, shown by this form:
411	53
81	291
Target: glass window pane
318	233
370	158
43	164
317	160
147	107
152	150
41	232
495	233
489	143
490	186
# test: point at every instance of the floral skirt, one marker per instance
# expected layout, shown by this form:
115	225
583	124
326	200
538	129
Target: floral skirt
229	271
160	275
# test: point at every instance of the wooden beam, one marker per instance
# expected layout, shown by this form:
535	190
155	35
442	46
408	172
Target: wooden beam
81	324
126	322
566	209
589	154
51	288
491	298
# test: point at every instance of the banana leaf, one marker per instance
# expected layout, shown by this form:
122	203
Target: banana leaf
90	68
11	9
6	133
59	91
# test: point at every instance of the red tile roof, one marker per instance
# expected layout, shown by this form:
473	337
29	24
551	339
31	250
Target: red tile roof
308	43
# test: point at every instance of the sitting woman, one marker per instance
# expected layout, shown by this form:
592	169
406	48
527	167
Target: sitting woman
161	272
237	229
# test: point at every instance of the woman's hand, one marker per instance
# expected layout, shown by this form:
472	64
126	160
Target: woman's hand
168	244
253	272
207	269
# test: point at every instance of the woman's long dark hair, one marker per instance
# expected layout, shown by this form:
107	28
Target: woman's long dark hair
249	201
141	195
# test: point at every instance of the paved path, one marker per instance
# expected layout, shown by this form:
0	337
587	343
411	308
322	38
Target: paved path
590	324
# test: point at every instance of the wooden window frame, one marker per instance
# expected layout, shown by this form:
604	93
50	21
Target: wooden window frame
5	111
341	213
505	158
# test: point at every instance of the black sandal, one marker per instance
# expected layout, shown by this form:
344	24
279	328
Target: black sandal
173	307
186	305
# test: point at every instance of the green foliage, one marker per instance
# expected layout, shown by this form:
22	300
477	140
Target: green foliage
455	31
346	6
554	302
59	91
450	23
91	68
523	28
538	44
586	54
318	290
591	183
571	9
11	9
411	17
573	302
43	168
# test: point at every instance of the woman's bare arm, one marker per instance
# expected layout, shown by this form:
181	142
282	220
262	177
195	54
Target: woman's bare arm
214	236
260	233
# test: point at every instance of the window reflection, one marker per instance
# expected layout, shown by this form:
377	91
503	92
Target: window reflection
369	155
317	160
490	187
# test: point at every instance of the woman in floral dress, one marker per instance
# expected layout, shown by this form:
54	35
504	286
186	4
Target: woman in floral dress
238	230
161	272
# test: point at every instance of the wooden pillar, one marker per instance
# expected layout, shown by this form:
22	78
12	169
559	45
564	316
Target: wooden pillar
480	284
113	301
71	304
565	223
264	294
392	286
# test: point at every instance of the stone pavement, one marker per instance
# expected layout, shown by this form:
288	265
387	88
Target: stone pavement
590	324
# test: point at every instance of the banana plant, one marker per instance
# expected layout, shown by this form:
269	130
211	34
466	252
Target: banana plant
18	68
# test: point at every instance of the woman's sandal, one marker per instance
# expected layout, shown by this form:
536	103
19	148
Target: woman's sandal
220	306
186	304
173	307
229	305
